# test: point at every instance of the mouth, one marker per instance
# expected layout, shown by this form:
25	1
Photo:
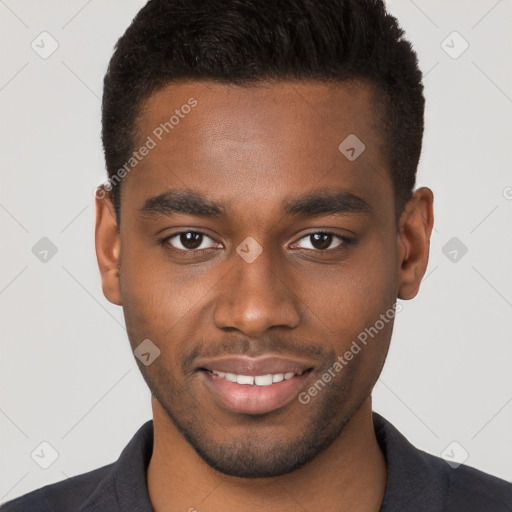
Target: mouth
254	386
255	380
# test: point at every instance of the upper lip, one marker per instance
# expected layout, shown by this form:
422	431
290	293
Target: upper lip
243	365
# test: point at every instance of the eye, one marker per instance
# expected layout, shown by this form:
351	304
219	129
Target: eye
190	241
323	241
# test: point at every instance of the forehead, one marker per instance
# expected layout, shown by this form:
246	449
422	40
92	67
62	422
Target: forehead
261	142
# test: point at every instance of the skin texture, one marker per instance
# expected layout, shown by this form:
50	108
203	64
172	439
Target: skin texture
249	149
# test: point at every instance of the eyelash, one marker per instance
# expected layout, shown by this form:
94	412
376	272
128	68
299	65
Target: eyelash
344	242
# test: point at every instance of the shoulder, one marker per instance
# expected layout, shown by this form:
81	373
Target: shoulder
471	489
117	486
464	488
423	482
69	494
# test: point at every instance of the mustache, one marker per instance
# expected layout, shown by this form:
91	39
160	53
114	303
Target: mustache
243	346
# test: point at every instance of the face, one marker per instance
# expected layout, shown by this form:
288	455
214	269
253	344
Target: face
252	249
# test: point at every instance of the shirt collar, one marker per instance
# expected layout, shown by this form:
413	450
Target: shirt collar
411	475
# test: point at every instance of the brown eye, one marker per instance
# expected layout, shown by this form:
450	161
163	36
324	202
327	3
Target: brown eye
321	241
189	241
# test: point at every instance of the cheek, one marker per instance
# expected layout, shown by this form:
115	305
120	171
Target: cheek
143	290
351	296
160	299
359	310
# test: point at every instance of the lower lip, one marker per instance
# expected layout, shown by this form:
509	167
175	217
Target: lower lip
252	399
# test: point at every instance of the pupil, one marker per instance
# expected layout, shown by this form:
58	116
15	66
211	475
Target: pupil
321	240
191	240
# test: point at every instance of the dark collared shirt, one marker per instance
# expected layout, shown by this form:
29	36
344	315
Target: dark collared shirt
416	482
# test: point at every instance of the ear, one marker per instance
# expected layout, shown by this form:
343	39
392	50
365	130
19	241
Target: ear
107	246
416	223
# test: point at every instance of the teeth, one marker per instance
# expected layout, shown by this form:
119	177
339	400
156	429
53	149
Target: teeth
244	379
258	380
263	380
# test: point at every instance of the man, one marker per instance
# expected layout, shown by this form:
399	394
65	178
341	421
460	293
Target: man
260	218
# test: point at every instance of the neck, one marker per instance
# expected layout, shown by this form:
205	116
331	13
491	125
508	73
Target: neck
349	475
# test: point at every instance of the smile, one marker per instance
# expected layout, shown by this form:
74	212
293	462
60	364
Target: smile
256	380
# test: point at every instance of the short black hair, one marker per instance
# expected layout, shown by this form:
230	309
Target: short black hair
244	42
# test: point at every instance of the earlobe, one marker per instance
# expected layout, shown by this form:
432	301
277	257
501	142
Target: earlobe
108	247
416	225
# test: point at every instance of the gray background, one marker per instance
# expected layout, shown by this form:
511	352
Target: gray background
67	374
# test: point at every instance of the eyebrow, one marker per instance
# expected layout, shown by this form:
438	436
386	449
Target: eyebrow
182	201
326	201
314	203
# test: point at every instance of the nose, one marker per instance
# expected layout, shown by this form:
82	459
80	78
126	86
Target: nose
257	296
